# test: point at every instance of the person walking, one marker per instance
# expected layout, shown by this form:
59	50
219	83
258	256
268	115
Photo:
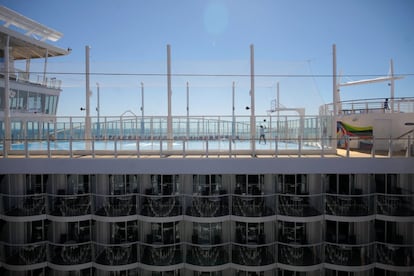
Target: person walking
386	105
262	135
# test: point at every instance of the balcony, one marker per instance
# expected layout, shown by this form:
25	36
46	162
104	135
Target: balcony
253	255
115	205
300	206
207	255
24	205
349	205
70	254
207	206
299	255
349	255
26	254
396	255
116	254
161	255
252	205
395	205
69	205
161	206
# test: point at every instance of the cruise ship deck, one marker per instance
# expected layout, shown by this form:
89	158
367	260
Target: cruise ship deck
331	194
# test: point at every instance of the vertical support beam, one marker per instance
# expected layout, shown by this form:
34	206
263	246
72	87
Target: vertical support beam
188	110
98	111
27	73
335	98
45	68
278	107
142	111
7	121
392	85
87	98
233	120
169	116
252	104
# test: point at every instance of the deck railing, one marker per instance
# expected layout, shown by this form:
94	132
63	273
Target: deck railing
206	148
377	105
206	136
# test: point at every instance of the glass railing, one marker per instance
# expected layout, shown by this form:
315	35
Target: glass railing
207	206
253	205
69	205
161	255
253	255
70	253
122	254
115	205
161	206
300	205
395	254
395	205
349	205
207	255
349	255
25	254
363	106
300	255
24	205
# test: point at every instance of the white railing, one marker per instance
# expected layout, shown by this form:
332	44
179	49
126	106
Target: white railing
25	77
396	105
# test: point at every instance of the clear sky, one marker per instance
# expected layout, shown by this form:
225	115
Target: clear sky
291	38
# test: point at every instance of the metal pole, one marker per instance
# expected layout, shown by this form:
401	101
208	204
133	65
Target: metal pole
278	107
335	97
87	96
169	117
142	110
188	110
7	123
252	104
45	67
233	122
392	85
98	110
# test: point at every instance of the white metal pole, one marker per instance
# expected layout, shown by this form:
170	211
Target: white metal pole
335	97
233	122
278	107
392	85
142	110
188	110
252	104
169	117
45	67
7	123
98	109
87	96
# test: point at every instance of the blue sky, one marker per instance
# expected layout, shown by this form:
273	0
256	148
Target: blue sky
213	37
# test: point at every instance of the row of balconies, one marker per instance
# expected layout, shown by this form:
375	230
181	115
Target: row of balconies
208	255
207	206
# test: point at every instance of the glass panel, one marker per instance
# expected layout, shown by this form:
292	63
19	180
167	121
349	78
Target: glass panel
116	254
161	206
253	256
115	205
349	255
72	254
161	255
303	255
207	255
207	206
